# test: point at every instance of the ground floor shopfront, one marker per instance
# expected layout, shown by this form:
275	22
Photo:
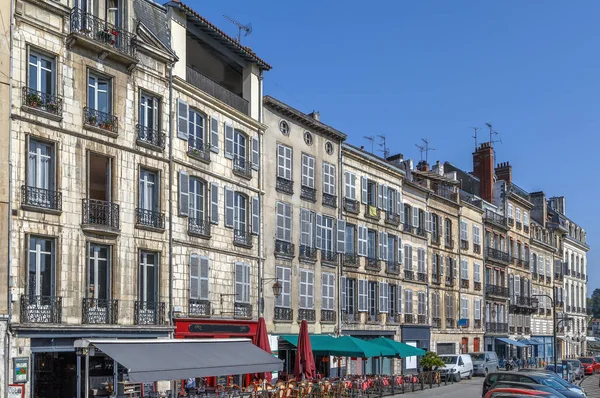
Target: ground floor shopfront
359	366
416	336
544	351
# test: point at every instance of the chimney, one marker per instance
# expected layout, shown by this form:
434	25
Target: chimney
504	172
315	115
483	168
438	168
396	159
559	204
423	165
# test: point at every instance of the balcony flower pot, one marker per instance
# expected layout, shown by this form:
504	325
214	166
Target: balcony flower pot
52	107
33	100
91	120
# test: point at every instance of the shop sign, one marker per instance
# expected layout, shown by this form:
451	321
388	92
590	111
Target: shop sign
218	328
16	391
21	370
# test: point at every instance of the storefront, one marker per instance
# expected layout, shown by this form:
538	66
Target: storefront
544	351
371	365
416	336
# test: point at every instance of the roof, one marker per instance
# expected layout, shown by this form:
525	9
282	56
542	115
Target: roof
302	117
154	18
435	176
222	37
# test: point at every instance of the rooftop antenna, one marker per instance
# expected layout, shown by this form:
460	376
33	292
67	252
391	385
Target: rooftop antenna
246	28
425	148
382	144
493	133
475	136
372	140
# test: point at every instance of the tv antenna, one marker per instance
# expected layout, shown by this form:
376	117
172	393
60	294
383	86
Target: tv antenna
246	28
493	133
382	144
425	148
372	140
475	135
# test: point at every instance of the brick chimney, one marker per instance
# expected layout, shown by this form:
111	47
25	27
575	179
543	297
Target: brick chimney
504	172
423	165
483	168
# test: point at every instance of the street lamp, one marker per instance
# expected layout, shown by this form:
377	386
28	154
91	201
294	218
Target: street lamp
277	290
554	325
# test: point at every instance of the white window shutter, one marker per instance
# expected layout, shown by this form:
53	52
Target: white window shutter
415	217
380	245
182	119
380	196
255	215
341	236
385	197
385	246
228	140
363	187
255	154
353	186
319	234
194	276
204	280
214	134
228	207
399	299
399	249
214	203
184	195
428	224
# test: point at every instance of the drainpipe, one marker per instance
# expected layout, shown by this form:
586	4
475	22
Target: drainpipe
460	270
261	300
340	255
171	194
427	290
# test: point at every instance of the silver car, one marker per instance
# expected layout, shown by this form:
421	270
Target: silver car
577	368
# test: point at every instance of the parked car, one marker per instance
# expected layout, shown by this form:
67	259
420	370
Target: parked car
577	368
527	386
589	365
457	366
546	379
516	392
558	378
484	362
565	370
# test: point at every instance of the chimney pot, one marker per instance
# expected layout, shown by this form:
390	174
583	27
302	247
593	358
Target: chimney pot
315	115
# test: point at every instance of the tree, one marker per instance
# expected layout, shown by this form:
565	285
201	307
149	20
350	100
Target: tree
595	303
431	361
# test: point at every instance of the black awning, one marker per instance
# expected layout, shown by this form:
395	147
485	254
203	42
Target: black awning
173	359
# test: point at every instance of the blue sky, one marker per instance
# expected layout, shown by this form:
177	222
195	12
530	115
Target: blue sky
434	69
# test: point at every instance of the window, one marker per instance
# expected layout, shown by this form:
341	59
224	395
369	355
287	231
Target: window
371	244
242	283
308	171
525	218
392	299
399	299
407	215
149	112
421	263
349	293
371	193
327	234
435	226
449	307
284	162
408	265
518	215
199	282
240	212
148	192
408	301
329	148
328	291
421	305
435	306
391	245
283	229
307	219
477	309
449	268
464	269
99	272
476	272
464	308
148	277
416	219
362	240
464	232
362	295
448	231
99	93
41	75
196	137
284	127
476	234
350	185
383	297
307	286
350	229
328	178
40	170
197	199
372	298
240	150
41	267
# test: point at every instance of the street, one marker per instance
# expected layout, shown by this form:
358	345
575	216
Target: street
464	389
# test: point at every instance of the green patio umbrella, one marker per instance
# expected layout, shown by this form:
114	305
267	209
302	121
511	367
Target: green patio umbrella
401	349
348	346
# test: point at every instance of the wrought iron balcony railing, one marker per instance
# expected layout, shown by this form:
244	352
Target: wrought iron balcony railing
421	276
372	212
436	278
242	167
284	248
495	218
149	218
350	317
548	279
98	312
42	198
511	222
199	308
329	200
284	185
519	225
548	311
308	253
449	243
199	227
450	281
242	237
435	238
351	206
464	244
464	283
496	327
102	32
40	309
42	101
199	149
306	193
409	318
373	264
421	319
392	267
497	291
477	324
392	317
283	314
392	218
216	90
349	260
100	213
150	137
409	275
242	310
476	248
149	313
102	120
329	256
420	231
526	229
308	314
498	255
408	228
328	316
477	286
436	322
450	323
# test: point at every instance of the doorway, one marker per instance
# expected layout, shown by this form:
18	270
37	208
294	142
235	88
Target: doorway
99	177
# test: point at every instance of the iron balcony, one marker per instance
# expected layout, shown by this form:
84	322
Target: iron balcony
41	198
42	101
283	314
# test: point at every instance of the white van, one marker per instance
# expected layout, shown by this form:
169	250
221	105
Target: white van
457	366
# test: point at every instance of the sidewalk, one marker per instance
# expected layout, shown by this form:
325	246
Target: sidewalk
590	386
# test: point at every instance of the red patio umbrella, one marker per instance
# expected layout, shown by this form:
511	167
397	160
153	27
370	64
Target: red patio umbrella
305	362
262	342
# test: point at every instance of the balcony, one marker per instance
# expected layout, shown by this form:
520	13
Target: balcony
464	244
329	256
329	200
100	216
436	322
477	286
100	120
476	248
101	37
450	323
328	316
408	228
41	309
422	319
149	219
351	206
516	190
373	264
349	260
523	305
497	255
511	222
308	253
519	225
242	237
436	278
283	314
519	329
392	267
214	89
392	218
527	330
495	218
350	317
435	239
284	185
284	249
464	283
422	277
419	231
409	275
306	193
526	229
199	227
150	138
541	278
496	327
449	281
308	314
149	313
242	310
497	291
38	101
548	311
449	244
548	279
477	324
242	167
409	318
372	212
511	329
199	308
99	312
33	198
199	150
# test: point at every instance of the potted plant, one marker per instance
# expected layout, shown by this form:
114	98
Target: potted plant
52	107
91	120
33	100
431	361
